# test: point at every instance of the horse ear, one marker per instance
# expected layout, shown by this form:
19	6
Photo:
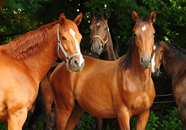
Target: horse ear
135	16
105	15
152	16
91	15
78	19
62	19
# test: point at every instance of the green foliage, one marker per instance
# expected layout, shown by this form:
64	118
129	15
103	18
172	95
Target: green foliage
86	121
3	126
171	121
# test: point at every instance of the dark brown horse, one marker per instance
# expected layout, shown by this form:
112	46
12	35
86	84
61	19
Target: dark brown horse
23	65
109	89
105	45
173	59
103	42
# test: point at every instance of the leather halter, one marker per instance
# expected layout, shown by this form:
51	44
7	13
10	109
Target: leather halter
97	36
64	52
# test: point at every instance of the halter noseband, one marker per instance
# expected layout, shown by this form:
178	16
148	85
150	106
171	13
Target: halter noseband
64	52
97	36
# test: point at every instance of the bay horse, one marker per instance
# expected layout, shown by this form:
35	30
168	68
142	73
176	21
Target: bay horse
102	41
104	44
110	89
173	59
23	65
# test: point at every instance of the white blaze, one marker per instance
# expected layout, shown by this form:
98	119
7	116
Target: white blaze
77	45
98	24
143	28
154	47
153	64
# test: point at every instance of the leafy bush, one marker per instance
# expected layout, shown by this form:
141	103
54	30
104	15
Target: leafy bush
171	121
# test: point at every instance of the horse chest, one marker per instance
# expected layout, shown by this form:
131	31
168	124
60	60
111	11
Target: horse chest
138	97
19	89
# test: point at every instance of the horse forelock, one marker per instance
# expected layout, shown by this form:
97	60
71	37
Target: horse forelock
156	42
142	20
98	19
30	43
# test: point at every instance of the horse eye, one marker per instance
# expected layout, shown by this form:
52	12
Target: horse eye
161	51
153	34
134	34
64	38
106	29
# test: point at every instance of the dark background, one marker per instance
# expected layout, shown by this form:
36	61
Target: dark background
21	16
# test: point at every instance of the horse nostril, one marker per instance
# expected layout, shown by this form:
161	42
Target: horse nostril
76	62
141	60
99	47
156	70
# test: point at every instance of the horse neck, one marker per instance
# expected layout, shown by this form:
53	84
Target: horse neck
136	70
108	53
39	63
172	66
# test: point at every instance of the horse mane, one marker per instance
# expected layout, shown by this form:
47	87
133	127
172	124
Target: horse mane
115	43
127	61
179	52
29	43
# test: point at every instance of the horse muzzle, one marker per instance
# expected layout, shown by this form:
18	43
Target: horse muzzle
77	63
145	61
156	72
96	48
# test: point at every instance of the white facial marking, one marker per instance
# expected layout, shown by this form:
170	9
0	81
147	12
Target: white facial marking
77	45
98	24
153	64
143	28
154	47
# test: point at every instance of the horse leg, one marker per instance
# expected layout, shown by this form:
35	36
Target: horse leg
74	117
123	119
141	120
182	114
16	119
78	126
99	123
34	120
64	107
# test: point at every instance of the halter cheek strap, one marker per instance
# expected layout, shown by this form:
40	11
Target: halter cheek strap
64	52
97	36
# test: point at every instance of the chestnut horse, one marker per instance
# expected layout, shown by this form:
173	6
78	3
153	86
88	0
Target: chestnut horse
23	65
173	59
101	36
110	89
